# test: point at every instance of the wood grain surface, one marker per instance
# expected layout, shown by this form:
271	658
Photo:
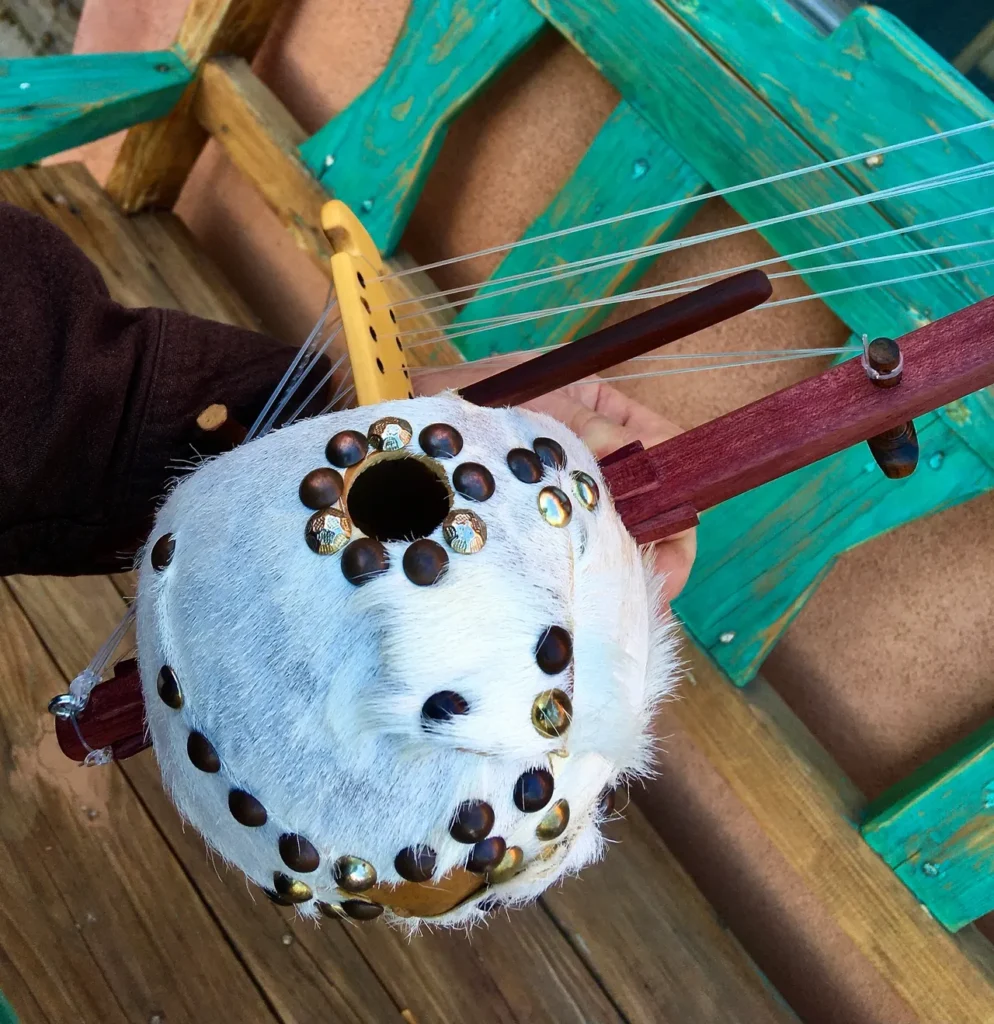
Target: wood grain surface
155	158
940	977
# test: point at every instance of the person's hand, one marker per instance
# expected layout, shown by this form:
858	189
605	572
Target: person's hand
606	420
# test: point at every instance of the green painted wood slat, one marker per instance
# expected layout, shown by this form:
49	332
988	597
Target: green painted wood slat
871	83
730	135
50	104
627	167
758	561
376	153
936	829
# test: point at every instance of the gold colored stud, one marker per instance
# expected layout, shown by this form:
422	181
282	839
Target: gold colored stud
586	490
553	825
551	713
292	889
464	531
390	434
511	864
353	874
555	506
328	531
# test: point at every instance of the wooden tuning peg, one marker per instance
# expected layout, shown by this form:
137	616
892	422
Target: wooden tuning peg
896	450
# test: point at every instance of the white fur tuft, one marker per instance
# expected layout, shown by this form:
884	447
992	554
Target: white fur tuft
311	688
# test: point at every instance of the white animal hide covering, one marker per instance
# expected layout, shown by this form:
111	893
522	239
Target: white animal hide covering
311	688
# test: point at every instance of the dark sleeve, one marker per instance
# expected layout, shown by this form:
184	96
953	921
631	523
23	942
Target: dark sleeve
98	403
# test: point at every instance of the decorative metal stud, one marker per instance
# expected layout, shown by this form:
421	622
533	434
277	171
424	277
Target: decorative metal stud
555	506
415	863
440	441
390	434
246	810
533	790
328	531
279	900
473	481
169	689
464	531
551	713
445	704
162	552
346	448
588	494
292	889
472	822
299	854
353	874
550	452
525	465
321	488
202	754
360	910
511	864
364	560
424	562
553	825
331	909
554	650
486	855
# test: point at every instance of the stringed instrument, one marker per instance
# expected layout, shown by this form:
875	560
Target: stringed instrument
396	658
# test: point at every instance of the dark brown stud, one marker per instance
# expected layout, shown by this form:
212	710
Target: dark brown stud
292	889
245	809
550	452
472	822
360	910
444	705
606	802
415	863
299	854
321	488
554	651
278	899
896	450
440	441
363	560
533	790
525	465
202	753
169	689
486	855
162	552
884	357
346	448
473	481
425	562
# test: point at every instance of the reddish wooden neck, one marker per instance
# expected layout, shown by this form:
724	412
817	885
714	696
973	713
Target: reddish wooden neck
661	490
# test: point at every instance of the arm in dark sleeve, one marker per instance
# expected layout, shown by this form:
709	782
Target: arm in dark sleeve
98	403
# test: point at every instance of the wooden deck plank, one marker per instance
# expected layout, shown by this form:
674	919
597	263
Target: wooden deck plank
85	875
651	938
940	976
199	287
155	158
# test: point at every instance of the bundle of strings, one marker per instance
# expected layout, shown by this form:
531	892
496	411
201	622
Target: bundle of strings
398	656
